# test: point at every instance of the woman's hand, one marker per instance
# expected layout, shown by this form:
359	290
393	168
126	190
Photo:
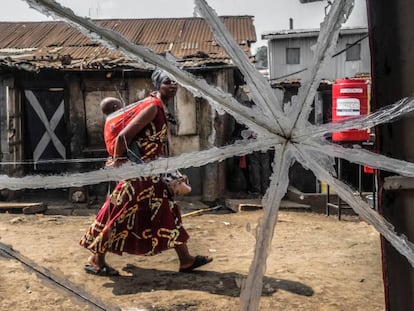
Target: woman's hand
117	162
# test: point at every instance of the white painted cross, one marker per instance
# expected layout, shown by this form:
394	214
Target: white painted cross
49	126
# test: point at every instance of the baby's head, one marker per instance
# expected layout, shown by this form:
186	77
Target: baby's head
110	104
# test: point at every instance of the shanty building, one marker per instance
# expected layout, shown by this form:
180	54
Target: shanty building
291	55
52	78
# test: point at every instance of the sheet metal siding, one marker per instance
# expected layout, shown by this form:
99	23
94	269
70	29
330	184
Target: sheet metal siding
349	68
337	68
186	38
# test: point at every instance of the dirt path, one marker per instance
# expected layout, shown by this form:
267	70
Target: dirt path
316	263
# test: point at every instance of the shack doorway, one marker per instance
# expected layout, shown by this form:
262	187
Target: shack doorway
45	127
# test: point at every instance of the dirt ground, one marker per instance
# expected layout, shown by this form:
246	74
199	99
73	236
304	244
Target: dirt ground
316	263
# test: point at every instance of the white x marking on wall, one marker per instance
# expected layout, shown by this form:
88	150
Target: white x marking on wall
49	126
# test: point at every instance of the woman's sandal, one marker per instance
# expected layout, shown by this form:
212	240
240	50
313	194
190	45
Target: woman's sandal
198	262
103	271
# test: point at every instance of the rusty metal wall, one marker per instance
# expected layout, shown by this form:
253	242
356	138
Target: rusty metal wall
390	25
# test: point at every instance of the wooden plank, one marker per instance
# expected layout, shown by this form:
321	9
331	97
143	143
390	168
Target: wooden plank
398	183
234	204
17	204
238	205
25	207
202	210
249	207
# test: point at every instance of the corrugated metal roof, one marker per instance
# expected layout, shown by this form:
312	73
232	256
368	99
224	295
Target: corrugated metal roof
61	46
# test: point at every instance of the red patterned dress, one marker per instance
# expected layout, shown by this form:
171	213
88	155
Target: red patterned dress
139	217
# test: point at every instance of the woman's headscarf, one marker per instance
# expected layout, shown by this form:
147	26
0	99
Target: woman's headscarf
158	76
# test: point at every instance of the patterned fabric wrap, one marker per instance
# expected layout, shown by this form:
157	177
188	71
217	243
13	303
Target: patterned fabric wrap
139	217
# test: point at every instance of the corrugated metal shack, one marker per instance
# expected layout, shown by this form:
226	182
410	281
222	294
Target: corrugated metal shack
52	78
291	54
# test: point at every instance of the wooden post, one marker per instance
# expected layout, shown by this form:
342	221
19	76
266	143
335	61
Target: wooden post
393	68
214	183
